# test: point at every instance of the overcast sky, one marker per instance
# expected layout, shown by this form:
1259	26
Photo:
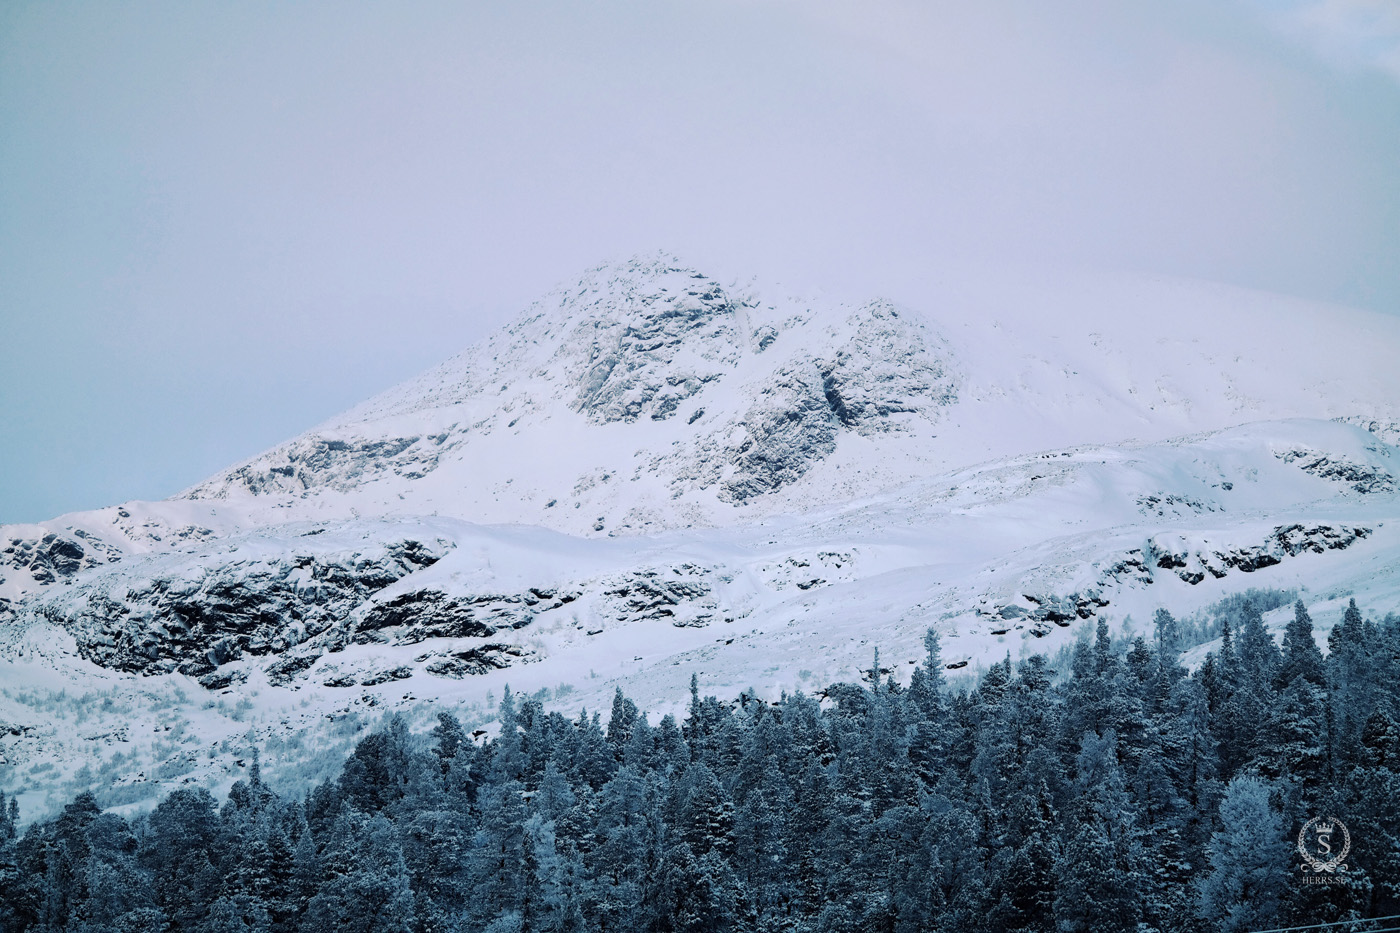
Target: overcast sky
221	223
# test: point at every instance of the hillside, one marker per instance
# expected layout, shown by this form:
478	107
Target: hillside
652	474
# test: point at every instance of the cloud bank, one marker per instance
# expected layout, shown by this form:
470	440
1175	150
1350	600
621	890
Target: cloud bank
1363	33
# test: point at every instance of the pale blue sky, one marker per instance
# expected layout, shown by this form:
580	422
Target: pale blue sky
222	223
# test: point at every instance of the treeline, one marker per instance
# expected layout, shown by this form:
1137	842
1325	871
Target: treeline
1123	794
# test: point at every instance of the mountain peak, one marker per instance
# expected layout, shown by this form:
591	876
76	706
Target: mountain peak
701	396
647	395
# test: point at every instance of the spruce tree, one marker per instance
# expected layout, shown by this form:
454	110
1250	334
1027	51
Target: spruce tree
622	721
1248	861
1301	656
366	887
1168	634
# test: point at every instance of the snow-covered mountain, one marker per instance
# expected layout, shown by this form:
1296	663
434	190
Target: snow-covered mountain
648	396
652	473
645	397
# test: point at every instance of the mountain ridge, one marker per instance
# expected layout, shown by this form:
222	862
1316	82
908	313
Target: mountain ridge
727	425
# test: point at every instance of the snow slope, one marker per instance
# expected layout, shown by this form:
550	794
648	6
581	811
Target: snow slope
652	474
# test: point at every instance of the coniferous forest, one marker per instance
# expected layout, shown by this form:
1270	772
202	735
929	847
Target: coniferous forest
1120	794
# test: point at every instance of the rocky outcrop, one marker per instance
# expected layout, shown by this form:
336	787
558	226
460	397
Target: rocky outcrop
292	600
468	661
1040	613
197	619
409	618
332	463
885	373
653	344
1387	431
683	597
55	557
1194	560
1132	567
1193	563
791	427
1362	477
887	368
1164	505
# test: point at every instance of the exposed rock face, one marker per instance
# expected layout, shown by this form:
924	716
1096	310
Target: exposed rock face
333	463
51	558
1164	504
791	427
37	558
1192	564
1188	561
1045	611
684	598
646	345
467	661
1362	477
55	557
643	347
1192	561
883	376
193	619
1132	567
287	599
886	369
413	617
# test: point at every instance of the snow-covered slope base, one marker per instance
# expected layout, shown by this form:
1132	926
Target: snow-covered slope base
652	474
307	621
